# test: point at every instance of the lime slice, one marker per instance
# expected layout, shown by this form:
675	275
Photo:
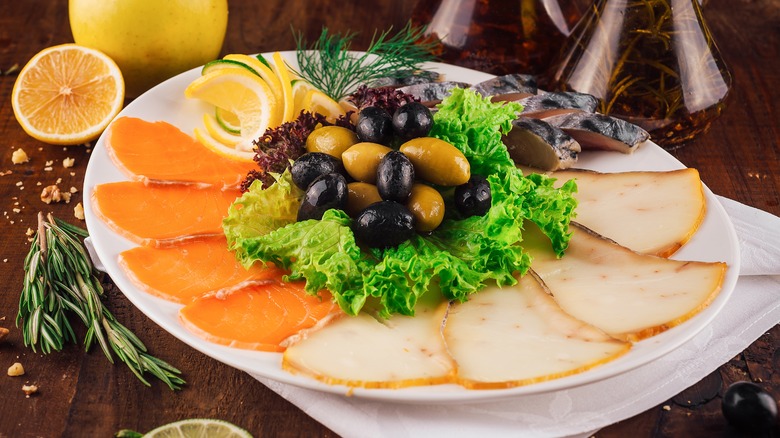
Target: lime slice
227	120
215	130
225	63
197	428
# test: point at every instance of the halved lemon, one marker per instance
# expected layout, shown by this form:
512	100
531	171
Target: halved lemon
315	101
199	427
243	151
241	93
67	94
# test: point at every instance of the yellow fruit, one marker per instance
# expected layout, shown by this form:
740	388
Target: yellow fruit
299	90
280	68
151	40
241	93
262	70
238	152
67	94
218	132
316	101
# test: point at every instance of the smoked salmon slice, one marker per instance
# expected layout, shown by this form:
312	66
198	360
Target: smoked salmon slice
159	152
191	269
258	317
162	215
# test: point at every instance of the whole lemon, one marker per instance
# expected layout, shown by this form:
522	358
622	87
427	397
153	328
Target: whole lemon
151	40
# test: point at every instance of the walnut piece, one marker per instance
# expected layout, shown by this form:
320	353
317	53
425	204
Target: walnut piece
68	162
16	370
29	390
78	211
3	333
19	156
53	193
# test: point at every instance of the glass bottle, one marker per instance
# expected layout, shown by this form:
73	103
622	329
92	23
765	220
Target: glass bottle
651	62
499	36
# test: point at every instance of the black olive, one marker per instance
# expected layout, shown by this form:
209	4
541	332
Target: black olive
473	198
325	192
384	224
311	166
748	407
412	120
374	125
395	177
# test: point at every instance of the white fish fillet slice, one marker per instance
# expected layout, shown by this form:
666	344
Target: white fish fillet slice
629	295
518	335
361	351
649	212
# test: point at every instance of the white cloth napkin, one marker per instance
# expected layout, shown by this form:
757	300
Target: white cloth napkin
753	308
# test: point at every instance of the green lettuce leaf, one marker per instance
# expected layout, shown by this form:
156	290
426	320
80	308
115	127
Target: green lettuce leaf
258	212
475	126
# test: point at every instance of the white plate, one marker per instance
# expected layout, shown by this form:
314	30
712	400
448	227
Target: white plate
714	241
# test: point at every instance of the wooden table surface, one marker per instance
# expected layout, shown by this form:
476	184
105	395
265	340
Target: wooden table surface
81	394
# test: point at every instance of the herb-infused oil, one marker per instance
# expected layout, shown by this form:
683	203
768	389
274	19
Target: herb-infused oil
651	62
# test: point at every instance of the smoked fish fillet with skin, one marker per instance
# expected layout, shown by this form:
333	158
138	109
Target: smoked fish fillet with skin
190	269
259	317
161	215
158	152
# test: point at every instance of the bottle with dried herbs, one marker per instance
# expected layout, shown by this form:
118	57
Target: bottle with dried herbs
651	62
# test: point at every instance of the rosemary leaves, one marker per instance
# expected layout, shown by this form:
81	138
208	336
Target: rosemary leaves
60	280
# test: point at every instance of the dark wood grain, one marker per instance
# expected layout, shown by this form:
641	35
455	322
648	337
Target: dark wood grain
81	394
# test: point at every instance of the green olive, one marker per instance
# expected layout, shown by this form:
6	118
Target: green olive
362	159
331	140
427	207
437	161
359	196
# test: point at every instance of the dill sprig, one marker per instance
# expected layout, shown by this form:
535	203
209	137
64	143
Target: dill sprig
60	278
330	65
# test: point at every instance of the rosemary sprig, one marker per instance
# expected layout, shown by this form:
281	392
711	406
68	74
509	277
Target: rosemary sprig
329	65
59	278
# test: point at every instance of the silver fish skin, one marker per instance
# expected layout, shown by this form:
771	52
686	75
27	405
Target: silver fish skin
432	93
408	78
550	104
536	143
597	131
507	84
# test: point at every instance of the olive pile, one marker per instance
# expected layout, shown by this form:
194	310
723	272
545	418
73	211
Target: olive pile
388	192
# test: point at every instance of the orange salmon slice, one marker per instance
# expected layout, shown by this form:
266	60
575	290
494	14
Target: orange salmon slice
161	215
191	269
160	152
258	317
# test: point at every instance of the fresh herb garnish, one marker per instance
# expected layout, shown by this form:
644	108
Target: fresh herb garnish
60	278
329	65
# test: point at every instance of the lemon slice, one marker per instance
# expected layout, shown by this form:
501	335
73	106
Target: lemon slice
67	94
299	90
241	93
199	427
261	70
218	132
315	101
242	151
280	68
